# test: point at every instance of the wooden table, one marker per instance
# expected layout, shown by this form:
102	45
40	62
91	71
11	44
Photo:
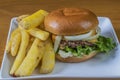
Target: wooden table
12	8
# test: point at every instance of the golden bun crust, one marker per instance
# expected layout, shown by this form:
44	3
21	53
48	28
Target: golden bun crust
70	21
76	59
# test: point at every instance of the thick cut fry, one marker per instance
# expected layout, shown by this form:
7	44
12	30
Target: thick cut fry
33	20
8	46
30	43
17	30
43	12
22	51
15	44
43	35
32	59
48	60
19	18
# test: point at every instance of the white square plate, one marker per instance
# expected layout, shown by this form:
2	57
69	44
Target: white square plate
100	66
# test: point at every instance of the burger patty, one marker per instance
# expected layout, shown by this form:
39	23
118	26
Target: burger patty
74	44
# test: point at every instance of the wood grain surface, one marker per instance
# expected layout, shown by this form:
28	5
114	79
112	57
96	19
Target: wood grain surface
12	8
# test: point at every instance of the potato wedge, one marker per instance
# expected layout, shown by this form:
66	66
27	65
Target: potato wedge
8	45
48	60
43	35
17	30
21	53
15	44
33	20
19	18
30	43
43	12
32	59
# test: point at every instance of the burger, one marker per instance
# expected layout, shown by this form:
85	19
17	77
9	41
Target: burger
76	34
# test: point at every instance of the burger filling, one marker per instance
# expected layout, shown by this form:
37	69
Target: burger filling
76	48
83	45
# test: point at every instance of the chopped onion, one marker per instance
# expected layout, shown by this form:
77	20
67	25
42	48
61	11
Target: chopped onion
57	42
79	37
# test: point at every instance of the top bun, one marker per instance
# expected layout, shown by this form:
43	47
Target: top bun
70	21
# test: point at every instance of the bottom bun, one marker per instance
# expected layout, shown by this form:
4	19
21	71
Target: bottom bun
76	59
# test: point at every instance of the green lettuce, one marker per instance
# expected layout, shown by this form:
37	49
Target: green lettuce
105	44
102	45
79	50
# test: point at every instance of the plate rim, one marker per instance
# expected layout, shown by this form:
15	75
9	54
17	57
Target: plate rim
51	76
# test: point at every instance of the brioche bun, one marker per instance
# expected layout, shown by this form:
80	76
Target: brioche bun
76	59
70	21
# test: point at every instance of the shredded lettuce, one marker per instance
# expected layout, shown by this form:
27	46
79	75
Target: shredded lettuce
102	45
79	50
105	44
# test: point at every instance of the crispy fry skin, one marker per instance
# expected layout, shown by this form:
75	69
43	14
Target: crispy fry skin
19	18
43	12
17	30
8	46
43	35
21	53
33	20
32	59
15	44
30	43
48	60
